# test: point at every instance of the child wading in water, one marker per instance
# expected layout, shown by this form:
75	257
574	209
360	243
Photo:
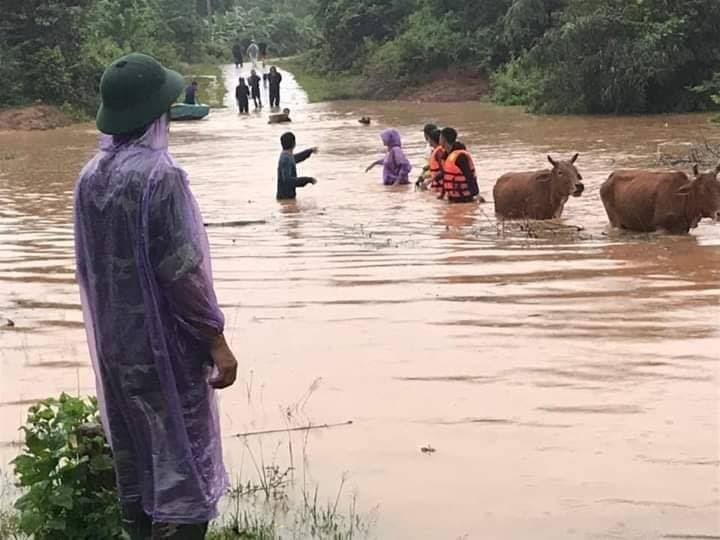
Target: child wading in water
396	167
288	179
241	95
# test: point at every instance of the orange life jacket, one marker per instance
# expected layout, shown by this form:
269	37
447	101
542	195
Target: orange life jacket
435	168
455	184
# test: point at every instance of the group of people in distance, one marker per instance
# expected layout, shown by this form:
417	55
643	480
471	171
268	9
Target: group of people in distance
450	171
250	89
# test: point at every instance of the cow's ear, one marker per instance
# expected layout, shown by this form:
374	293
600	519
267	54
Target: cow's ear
685	189
551	160
696	170
574	158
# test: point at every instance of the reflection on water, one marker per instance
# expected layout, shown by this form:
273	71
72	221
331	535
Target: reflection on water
567	375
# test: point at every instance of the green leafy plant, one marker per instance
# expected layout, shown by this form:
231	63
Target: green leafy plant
66	472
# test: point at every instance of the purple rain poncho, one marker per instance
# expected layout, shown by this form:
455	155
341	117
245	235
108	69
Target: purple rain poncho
396	167
143	266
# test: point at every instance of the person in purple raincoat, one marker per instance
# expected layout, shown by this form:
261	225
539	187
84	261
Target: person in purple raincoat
396	167
154	328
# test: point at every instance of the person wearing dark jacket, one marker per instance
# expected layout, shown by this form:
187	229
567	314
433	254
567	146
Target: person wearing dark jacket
241	95
288	180
459	178
191	94
237	52
274	80
254	81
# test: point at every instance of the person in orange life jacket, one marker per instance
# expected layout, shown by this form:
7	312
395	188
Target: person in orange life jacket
459	180
432	176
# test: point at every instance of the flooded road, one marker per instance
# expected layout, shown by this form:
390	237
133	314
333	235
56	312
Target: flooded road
567	379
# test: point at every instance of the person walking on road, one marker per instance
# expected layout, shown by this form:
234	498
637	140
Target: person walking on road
253	51
237	52
254	82
242	92
274	80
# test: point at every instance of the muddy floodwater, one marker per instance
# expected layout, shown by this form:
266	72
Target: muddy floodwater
567	376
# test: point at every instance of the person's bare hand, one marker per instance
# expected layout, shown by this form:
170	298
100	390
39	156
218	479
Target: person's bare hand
225	363
315	149
313	181
369	167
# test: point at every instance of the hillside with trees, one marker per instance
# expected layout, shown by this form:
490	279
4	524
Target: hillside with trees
55	51
553	56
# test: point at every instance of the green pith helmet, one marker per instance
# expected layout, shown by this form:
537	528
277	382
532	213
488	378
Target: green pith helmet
135	90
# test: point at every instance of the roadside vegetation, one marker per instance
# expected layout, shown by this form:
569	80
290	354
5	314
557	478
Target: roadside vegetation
319	87
551	56
55	51
66	485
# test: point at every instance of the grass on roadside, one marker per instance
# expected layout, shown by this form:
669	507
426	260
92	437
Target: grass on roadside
211	83
272	498
320	87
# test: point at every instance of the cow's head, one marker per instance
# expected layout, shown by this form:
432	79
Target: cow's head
706	188
568	178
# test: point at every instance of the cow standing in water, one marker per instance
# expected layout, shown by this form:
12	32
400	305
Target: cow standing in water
647	201
539	194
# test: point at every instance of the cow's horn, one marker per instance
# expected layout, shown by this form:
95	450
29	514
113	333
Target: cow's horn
717	169
551	160
574	158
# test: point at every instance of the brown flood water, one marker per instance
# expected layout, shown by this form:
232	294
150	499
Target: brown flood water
568	382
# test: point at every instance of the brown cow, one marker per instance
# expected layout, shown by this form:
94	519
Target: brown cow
648	201
539	194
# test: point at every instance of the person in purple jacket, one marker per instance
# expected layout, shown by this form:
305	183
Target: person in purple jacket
154	325
396	167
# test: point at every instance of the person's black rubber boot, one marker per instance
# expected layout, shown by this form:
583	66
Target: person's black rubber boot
136	523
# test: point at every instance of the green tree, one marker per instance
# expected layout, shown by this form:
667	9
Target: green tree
347	25
620	57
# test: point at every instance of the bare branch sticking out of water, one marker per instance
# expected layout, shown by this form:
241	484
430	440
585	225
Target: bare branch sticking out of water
240	223
537	230
289	429
702	151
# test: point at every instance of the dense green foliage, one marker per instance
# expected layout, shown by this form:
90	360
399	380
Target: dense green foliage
55	50
555	56
66	470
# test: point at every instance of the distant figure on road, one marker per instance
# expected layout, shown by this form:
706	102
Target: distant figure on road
253	52
288	180
396	167
242	93
274	80
263	52
254	81
237	52
191	93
